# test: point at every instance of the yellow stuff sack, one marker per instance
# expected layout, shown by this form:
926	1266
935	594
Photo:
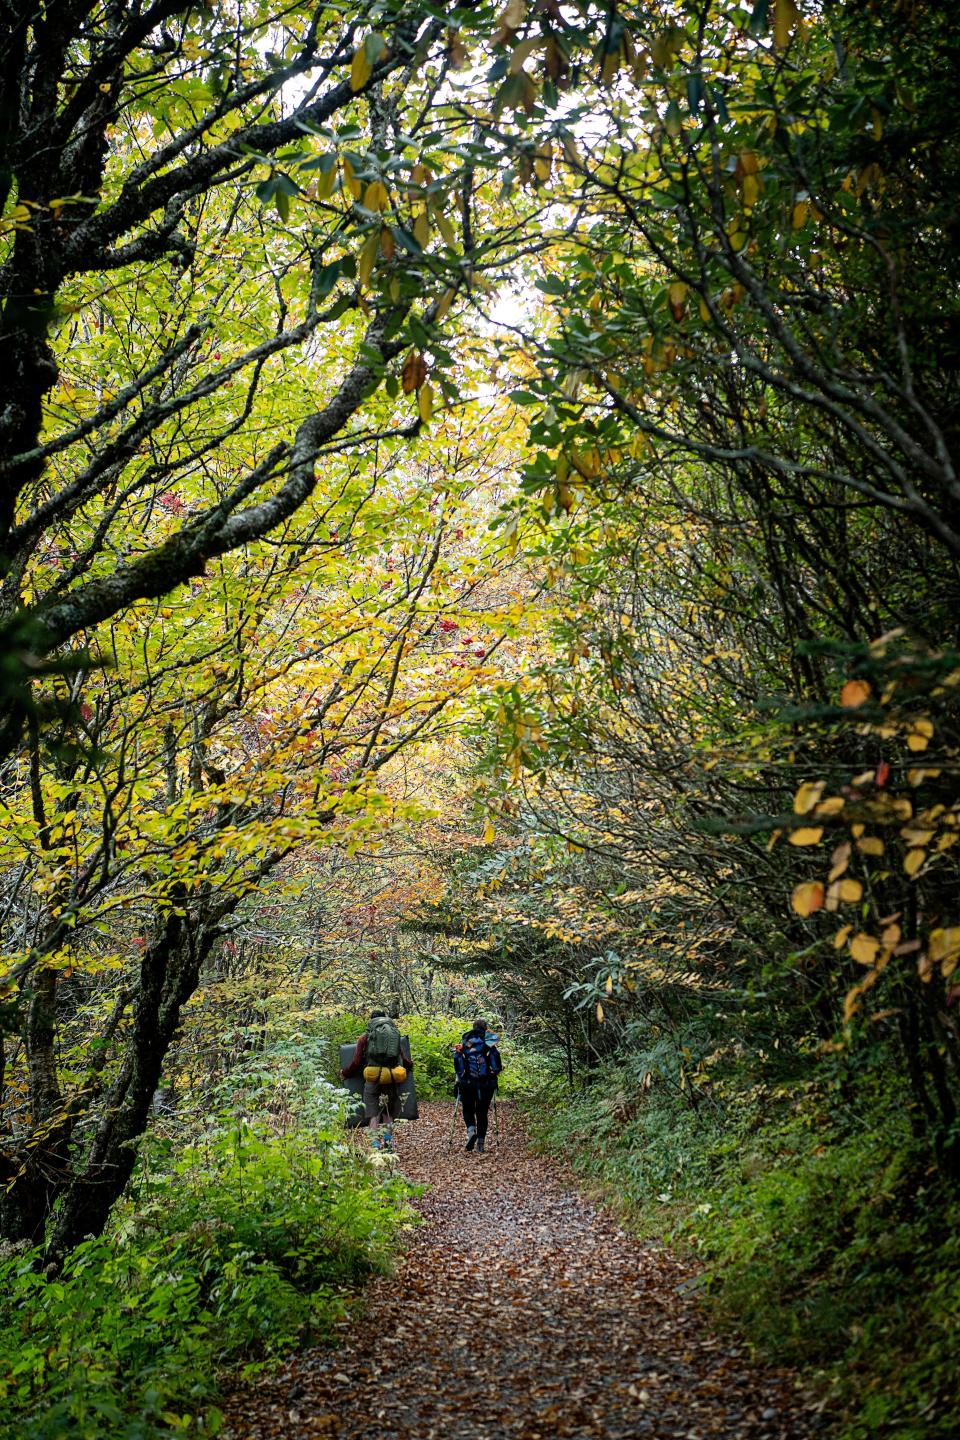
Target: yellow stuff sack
371	1072
399	1074
386	1075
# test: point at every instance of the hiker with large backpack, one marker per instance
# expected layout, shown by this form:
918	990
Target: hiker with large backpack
385	1064
477	1063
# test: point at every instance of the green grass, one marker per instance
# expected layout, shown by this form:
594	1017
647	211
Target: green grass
228	1253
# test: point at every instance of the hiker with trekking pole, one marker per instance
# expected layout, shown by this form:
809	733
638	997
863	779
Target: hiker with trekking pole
477	1063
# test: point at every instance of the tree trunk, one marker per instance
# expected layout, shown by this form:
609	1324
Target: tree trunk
168	977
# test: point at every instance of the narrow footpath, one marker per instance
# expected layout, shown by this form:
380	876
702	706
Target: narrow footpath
521	1312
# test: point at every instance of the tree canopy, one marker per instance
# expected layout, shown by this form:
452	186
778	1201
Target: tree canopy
479	518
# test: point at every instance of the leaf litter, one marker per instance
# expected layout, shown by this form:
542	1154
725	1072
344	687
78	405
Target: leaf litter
521	1311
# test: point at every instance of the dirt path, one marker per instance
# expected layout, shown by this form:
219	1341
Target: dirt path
521	1312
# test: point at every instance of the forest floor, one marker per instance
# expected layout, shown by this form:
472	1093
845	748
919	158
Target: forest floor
521	1311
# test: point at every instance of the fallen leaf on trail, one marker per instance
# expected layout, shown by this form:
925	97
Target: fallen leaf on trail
583	1330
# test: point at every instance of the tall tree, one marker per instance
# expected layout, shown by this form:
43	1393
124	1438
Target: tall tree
198	204
741	385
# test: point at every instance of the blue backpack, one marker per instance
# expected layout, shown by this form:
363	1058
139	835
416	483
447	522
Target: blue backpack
477	1058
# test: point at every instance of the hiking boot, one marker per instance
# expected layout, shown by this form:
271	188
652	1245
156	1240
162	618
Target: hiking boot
479	1147
471	1137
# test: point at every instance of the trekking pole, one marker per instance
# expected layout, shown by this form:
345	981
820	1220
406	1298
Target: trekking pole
453	1120
496	1122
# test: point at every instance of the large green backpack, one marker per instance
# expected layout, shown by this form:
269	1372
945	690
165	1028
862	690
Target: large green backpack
383	1042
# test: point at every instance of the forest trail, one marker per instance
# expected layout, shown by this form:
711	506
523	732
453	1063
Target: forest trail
521	1311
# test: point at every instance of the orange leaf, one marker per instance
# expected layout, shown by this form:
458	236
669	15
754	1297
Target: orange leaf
854	693
864	948
414	372
808	897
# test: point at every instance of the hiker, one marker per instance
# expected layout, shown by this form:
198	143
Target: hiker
477	1063
385	1065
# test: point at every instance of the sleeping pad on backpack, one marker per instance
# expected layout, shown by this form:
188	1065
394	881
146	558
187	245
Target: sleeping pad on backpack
408	1090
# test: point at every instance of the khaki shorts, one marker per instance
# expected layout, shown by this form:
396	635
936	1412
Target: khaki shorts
378	1099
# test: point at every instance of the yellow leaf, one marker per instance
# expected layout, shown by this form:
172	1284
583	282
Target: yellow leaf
376	196
425	402
850	891
944	944
807	796
870	845
421	229
360	68
841	936
522	52
444	303
839	860
600	1012
489	833
368	257
808	897
677	293
864	948
798	216
806	835
919	735
785	17
831	806
354	186
326	182
444	226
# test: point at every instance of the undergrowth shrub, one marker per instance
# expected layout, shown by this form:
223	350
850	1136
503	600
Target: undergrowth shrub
821	1231
236	1242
